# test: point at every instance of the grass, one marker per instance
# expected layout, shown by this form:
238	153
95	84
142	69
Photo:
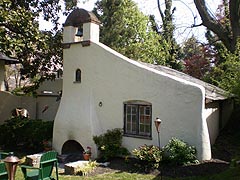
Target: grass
233	173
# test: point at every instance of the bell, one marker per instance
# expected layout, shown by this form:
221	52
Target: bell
79	32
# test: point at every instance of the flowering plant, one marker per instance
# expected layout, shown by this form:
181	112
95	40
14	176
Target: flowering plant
87	151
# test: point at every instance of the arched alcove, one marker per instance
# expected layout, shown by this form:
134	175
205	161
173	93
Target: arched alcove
72	147
71	151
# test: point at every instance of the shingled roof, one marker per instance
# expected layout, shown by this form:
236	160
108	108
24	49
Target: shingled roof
211	92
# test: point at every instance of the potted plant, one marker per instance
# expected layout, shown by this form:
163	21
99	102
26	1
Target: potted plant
87	153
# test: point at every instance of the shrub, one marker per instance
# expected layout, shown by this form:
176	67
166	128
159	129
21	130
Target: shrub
177	152
25	133
149	156
110	144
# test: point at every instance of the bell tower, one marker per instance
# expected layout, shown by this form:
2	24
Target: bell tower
81	25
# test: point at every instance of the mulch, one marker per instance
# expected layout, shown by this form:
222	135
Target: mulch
213	166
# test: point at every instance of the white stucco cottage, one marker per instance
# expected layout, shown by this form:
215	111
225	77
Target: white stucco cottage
103	90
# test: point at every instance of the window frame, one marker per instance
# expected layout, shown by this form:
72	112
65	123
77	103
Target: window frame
137	104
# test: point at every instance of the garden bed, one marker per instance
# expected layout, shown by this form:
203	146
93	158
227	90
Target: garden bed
205	168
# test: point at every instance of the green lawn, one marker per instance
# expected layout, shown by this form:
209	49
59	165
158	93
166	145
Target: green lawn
230	174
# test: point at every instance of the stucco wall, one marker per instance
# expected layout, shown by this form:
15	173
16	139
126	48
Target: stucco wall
111	78
35	106
10	102
212	113
46	107
47	103
2	69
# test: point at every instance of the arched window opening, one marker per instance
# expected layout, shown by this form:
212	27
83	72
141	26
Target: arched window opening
80	31
78	76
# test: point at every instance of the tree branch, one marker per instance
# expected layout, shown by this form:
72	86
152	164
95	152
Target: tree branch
196	25
160	10
212	24
234	8
11	28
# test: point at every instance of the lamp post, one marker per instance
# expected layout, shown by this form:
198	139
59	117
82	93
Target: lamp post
11	163
157	125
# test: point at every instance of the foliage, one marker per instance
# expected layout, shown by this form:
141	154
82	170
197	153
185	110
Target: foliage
198	59
178	152
149	156
128	31
167	31
86	168
24	133
227	74
40	53
110	144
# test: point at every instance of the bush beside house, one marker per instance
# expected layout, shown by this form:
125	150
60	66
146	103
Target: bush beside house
25	134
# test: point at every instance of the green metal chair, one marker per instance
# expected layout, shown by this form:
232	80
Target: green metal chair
3	170
44	172
3	155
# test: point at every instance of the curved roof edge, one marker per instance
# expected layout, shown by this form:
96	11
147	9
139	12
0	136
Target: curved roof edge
211	92
80	16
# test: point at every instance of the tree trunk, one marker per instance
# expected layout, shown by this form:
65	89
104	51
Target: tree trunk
228	37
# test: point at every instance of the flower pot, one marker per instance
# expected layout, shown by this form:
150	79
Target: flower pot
86	156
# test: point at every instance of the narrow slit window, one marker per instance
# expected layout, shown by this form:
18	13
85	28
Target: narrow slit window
78	76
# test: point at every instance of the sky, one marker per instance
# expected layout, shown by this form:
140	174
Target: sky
183	16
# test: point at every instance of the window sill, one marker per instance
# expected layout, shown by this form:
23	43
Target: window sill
76	82
137	136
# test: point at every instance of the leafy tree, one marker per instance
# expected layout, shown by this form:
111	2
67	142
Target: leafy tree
227	28
167	31
39	52
127	30
191	47
226	75
225	38
198	58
